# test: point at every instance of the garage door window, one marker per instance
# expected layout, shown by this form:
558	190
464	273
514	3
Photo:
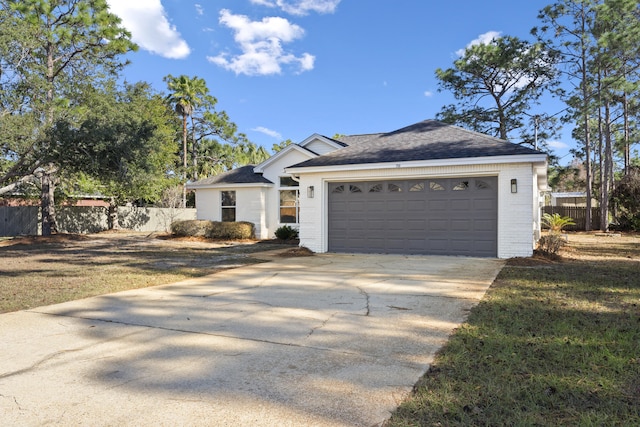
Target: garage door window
461	186
375	188
418	186
436	186
393	188
482	185
228	206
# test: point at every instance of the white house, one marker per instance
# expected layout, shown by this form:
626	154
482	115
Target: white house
428	188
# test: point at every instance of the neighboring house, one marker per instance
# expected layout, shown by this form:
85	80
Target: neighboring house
571	199
428	188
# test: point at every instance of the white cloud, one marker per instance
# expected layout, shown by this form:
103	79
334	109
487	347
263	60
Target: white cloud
269	132
428	93
485	38
261	44
557	144
199	9
301	7
150	28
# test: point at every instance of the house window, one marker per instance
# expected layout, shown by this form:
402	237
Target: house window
355	189
228	206
289	200
289	206
287	181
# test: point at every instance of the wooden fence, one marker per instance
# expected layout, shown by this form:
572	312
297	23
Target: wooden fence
578	214
24	220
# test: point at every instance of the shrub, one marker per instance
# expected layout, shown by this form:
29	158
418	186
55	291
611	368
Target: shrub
213	229
286	233
550	244
626	201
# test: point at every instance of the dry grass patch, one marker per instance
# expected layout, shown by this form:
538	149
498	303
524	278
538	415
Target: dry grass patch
38	271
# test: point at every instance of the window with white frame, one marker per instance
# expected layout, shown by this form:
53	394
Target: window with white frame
289	200
228	205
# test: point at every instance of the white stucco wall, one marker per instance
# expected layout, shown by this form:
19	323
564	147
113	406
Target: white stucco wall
516	212
273	172
251	203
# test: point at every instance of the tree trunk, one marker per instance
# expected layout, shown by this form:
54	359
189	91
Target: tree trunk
194	150
113	219
627	142
600	153
47	198
607	173
184	160
49	224
587	148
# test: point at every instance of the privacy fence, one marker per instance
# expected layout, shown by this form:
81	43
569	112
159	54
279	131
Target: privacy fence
25	220
578	214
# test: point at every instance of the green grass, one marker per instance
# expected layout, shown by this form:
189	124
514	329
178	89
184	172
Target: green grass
554	344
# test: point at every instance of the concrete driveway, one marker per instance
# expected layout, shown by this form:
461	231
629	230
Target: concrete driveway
328	340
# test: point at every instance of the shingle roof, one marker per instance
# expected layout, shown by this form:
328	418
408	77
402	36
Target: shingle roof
426	140
241	175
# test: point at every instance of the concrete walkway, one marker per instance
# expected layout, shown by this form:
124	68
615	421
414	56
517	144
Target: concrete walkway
328	340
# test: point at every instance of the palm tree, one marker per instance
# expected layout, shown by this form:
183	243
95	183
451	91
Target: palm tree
187	93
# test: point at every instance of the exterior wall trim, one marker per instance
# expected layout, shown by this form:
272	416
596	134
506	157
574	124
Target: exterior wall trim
528	158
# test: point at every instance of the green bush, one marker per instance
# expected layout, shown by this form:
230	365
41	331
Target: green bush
213	229
286	233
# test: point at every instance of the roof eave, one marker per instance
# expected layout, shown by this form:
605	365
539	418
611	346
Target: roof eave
522	158
228	185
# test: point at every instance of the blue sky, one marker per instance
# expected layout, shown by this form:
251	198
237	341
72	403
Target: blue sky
285	69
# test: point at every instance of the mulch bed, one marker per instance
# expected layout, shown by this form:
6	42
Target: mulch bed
536	260
300	251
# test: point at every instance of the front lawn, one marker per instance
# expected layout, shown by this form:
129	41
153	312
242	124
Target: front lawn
552	343
36	271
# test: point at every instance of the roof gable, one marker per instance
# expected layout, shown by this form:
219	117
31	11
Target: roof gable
426	140
283	153
331	144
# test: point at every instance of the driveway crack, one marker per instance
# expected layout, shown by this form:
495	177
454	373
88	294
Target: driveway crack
322	325
366	295
15	400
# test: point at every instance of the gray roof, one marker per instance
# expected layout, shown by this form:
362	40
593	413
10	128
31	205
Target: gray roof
426	140
241	175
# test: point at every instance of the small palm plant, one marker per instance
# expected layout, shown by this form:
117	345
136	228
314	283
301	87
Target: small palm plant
551	243
556	222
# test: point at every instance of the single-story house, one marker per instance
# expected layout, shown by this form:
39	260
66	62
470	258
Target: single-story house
428	188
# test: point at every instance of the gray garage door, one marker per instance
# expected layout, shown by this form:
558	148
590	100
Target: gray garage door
453	216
